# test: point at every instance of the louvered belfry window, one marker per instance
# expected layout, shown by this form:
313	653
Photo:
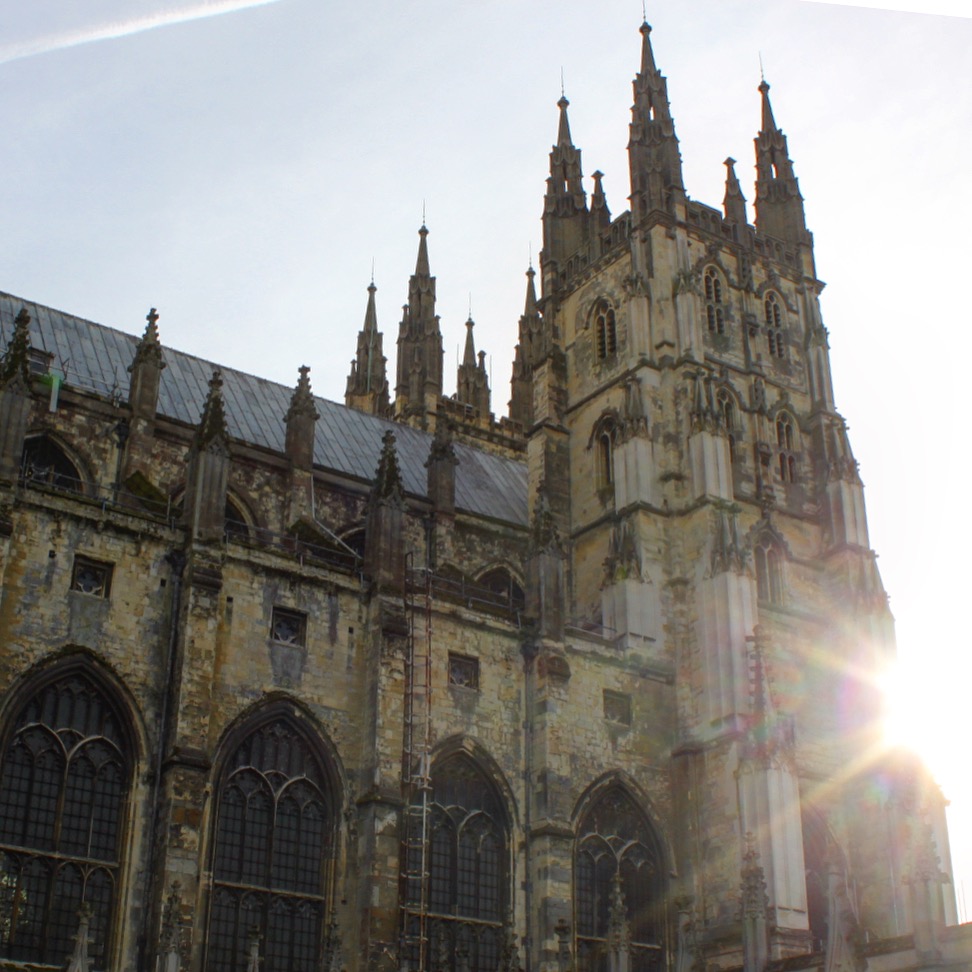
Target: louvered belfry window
274	833
64	785
618	893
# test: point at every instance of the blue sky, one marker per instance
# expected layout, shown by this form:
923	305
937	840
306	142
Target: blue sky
243	170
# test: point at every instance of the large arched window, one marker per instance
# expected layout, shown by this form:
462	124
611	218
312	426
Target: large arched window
618	885
45	462
274	833
66	772
500	582
460	906
715	311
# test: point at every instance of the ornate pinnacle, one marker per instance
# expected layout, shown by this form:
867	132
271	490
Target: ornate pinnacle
212	425
16	360
388	478
302	401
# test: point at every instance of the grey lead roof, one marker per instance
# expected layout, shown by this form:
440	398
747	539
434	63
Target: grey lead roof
96	357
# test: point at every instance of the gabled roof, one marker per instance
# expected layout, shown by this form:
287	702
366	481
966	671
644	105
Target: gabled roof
96	358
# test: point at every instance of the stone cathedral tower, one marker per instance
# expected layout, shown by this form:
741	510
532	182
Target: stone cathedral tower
398	685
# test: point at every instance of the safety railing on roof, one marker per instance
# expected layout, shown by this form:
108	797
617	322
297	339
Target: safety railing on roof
169	513
462	591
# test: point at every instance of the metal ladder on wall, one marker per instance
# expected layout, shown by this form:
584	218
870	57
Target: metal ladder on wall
416	782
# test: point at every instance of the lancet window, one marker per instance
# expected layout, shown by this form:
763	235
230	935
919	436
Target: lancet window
618	887
67	764
715	313
768	561
726	406
457	900
786	444
774	320
605	330
274	834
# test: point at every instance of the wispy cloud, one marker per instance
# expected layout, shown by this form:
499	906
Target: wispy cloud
953	8
178	13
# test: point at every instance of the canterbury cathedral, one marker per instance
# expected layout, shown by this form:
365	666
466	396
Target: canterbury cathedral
405	684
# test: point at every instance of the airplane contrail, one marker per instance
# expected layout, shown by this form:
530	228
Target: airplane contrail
123	28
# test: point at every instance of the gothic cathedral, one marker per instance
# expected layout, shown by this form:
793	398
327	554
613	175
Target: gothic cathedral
294	686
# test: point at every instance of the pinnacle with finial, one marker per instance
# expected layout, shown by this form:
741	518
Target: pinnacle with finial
16	360
212	425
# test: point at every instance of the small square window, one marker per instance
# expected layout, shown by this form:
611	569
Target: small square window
463	671
617	707
288	627
91	577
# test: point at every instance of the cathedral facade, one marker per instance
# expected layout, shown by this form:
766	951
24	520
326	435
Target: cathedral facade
401	685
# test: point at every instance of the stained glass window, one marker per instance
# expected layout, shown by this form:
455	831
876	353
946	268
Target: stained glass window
64	782
274	831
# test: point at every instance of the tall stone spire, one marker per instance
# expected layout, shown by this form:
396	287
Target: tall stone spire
653	155
472	382
565	213
779	205
418	384
367	388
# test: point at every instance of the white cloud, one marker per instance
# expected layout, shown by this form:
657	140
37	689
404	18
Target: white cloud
951	8
111	30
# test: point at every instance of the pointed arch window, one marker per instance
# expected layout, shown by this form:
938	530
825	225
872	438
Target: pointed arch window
726	407
236	526
816	854
715	312
272	850
460	903
768	561
67	764
45	463
618	886
774	321
501	583
605	330
786	444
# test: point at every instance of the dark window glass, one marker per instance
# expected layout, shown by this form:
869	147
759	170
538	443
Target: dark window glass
617	885
466	891
272	840
43	462
66	771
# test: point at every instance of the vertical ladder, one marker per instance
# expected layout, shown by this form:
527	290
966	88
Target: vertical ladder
416	782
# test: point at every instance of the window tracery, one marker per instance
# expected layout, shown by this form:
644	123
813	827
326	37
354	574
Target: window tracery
467	882
274	831
64	784
618	883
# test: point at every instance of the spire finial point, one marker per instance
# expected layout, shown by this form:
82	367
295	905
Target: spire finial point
563	93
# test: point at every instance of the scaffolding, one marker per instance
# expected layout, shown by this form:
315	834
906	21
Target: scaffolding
416	781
